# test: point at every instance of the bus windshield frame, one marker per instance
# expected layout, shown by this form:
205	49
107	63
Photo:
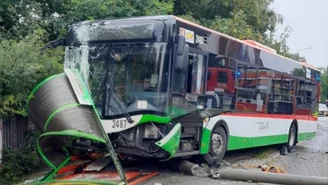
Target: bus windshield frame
123	78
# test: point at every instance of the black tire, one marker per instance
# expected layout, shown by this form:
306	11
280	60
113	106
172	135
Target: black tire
217	148
292	136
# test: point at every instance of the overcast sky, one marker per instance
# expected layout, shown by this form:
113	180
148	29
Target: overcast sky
309	22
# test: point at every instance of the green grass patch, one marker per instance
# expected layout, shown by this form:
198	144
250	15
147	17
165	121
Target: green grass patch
264	154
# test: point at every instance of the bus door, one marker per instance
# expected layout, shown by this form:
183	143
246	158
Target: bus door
196	76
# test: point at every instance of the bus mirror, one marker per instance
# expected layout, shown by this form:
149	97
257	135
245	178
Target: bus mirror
182	60
181	44
182	52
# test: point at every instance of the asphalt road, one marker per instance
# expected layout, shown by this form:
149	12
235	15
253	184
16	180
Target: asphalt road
309	159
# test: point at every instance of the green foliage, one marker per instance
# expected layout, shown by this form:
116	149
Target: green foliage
99	9
20	161
324	85
55	15
22	68
18	18
235	26
243	19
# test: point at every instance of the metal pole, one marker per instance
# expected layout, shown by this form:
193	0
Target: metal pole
267	177
303	49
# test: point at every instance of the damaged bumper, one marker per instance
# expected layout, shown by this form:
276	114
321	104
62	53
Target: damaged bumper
170	142
132	143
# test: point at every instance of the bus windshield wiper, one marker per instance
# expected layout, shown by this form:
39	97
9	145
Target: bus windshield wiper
113	94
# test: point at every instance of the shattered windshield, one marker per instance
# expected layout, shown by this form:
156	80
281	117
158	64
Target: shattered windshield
123	77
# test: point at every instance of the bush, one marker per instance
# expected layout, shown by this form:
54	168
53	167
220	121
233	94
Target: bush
20	161
22	68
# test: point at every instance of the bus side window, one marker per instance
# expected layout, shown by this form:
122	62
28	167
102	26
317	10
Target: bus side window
281	99
249	97
196	75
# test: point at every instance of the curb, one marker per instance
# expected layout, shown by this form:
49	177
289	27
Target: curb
254	163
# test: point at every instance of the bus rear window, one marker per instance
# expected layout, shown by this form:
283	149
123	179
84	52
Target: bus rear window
222	77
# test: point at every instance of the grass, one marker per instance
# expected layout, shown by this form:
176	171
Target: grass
40	173
264	154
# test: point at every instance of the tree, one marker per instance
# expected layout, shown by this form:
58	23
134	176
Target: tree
235	26
22	68
59	14
244	19
18	18
324	85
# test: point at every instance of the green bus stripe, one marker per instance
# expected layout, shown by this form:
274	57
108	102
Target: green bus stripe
206	137
56	111
236	142
305	136
154	118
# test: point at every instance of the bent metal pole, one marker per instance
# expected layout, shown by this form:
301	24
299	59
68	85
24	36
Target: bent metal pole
275	178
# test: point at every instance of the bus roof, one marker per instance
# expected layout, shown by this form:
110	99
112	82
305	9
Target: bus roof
309	66
250	43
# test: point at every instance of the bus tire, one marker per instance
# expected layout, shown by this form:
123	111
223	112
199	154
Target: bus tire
291	137
218	147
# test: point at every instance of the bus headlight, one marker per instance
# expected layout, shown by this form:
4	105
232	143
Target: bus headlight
150	131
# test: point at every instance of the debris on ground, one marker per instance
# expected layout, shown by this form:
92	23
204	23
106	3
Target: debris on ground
303	157
194	169
272	169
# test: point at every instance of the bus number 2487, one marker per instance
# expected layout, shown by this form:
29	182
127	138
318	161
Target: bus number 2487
119	123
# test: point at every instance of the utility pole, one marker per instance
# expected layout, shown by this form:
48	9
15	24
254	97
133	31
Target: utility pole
303	49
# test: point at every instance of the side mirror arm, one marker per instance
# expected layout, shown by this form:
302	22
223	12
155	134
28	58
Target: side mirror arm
53	44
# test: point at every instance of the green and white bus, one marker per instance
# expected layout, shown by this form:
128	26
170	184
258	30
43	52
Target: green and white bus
165	87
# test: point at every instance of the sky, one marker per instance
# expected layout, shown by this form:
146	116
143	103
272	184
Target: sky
309	22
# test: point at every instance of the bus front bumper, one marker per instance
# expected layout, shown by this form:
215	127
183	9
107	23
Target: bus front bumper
162	149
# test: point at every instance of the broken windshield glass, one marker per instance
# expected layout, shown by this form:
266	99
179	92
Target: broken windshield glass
136	72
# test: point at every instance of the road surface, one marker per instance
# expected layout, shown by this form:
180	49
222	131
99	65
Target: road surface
309	159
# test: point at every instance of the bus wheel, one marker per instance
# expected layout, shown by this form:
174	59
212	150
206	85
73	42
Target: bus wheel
218	147
291	137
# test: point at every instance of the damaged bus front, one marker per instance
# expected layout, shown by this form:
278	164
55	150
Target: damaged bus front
126	66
